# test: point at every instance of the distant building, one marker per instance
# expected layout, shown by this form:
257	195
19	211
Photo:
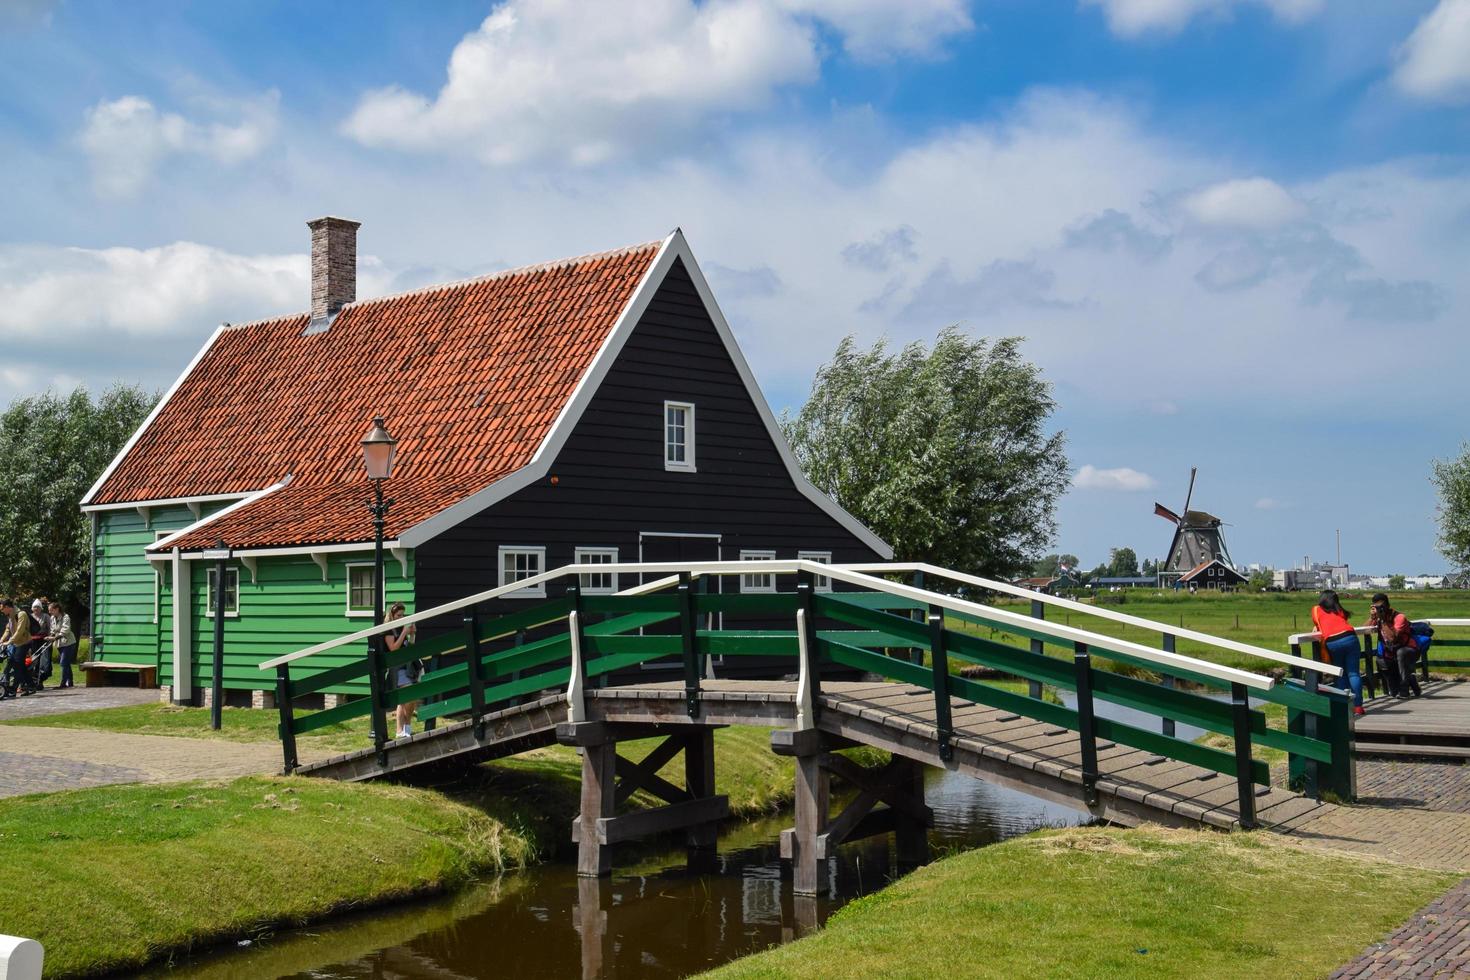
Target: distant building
1213	574
1125	581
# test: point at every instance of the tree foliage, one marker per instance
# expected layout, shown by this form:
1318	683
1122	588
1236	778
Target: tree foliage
943	452
1054	564
1451	477
1123	562
1397	582
53	449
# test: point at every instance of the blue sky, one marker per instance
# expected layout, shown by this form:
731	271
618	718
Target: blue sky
1233	232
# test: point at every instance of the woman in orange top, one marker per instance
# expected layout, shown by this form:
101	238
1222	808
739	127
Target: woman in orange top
1340	642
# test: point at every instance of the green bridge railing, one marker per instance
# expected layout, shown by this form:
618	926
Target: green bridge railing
908	634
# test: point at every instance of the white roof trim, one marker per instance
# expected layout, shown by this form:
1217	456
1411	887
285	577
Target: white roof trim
138	434
674	247
304	549
207	498
189	529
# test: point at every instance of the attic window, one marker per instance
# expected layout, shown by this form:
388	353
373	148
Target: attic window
679	436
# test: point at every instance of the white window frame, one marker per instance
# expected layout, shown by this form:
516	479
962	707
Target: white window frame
821	583
209	592
537	591
367	613
581	556
686	465
747	579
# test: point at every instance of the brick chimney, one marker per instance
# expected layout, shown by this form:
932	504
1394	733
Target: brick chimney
333	266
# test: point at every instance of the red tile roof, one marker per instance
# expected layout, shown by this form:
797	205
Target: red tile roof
470	376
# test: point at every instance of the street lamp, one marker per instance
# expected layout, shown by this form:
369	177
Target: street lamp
378	451
220	555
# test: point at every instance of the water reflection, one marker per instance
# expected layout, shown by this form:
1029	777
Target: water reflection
672	914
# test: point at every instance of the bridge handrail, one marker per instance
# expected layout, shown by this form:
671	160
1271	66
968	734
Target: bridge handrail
989	614
1005	588
1313	636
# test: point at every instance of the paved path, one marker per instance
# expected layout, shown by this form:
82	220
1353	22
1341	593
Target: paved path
1434	943
40	760
55	701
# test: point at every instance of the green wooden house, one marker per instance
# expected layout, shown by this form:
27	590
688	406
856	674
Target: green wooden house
591	409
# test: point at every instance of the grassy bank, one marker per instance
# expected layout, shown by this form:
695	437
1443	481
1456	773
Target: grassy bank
1113	903
112	877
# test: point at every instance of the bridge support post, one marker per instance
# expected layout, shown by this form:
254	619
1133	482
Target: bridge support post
599	769
911	831
813	789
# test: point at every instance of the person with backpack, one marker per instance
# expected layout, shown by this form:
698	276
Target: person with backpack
1400	647
17	650
1340	643
405	674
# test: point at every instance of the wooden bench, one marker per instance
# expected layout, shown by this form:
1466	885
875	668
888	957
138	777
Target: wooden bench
96	671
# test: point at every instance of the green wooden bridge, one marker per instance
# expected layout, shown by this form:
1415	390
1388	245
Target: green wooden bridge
905	658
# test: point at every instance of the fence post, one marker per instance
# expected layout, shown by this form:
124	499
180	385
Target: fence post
1240	710
1086	726
1344	780
1168	724
376	697
691	656
1370	676
283	705
916	654
939	661
1038	647
807	623
472	670
1302	771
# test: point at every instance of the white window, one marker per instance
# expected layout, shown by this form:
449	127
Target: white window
361	590
232	593
757	582
679	436
821	583
522	563
598	583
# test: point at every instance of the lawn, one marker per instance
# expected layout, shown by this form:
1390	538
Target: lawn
111	877
236	725
1098	903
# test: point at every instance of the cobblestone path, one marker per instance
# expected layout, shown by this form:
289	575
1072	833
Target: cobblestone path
55	701
1434	943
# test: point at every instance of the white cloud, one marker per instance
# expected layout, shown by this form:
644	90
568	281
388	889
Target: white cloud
1121	478
1434	63
1269	503
1133	18
127	138
583	83
1254	202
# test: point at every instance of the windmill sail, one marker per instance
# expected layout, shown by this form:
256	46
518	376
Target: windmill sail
1165	512
1197	536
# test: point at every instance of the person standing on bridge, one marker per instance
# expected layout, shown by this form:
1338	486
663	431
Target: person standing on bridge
406	674
1400	651
1340	643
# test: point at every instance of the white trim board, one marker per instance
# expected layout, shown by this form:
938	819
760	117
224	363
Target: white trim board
675	247
138	433
207	498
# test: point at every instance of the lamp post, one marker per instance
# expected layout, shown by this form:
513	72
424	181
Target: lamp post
221	555
378	451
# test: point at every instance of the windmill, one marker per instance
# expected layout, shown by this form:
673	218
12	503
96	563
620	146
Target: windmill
1197	537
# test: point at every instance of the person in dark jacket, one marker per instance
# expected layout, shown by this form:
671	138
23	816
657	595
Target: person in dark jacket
1400	650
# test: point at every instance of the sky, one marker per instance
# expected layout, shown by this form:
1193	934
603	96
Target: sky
1234	233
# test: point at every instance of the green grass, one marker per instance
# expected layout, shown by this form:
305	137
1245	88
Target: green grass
111	877
1101	903
1260	619
237	725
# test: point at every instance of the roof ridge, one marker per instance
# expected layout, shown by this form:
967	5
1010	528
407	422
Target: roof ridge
458	283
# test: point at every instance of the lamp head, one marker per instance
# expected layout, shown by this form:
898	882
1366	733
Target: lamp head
378	451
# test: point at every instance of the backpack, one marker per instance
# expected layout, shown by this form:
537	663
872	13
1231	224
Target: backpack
1421	629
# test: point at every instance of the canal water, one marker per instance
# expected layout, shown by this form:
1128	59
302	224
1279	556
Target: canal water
658	917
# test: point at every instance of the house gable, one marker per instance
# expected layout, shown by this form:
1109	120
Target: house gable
607	485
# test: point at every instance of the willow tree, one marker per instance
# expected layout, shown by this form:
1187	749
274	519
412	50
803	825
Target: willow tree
945	452
1451	478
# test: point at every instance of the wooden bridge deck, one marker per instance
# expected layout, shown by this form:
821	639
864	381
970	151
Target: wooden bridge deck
1437	724
1034	757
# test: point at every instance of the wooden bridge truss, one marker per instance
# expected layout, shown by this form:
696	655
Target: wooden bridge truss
505	684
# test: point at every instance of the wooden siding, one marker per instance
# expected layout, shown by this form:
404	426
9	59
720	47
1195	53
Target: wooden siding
125	584
287	608
611	482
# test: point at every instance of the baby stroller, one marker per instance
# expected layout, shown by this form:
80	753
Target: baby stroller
15	674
